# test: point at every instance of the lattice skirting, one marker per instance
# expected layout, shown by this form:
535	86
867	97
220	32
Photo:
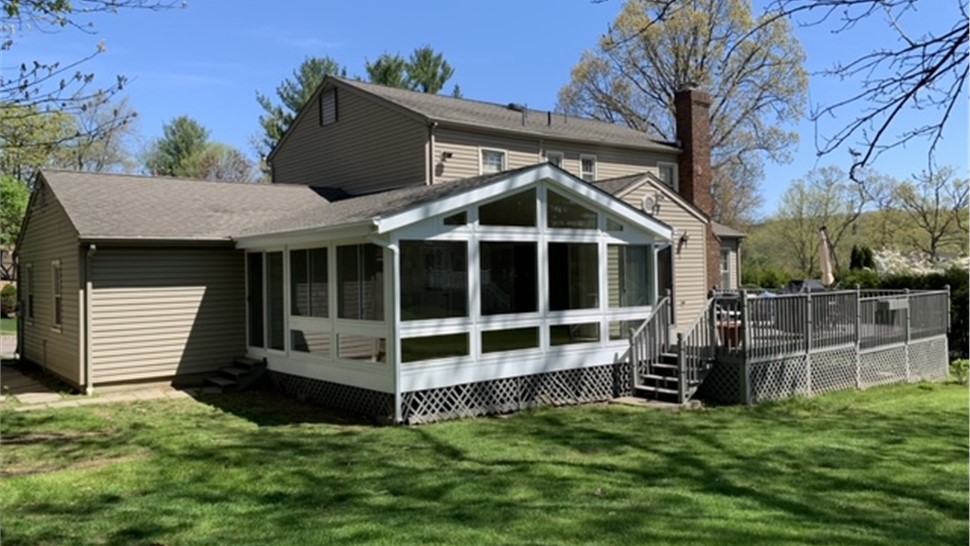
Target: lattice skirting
776	379
836	370
565	387
335	395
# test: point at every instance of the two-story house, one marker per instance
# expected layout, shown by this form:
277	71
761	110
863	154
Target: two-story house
364	138
417	257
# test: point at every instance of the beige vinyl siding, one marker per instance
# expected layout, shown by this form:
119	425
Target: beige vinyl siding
163	312
369	148
465	146
690	278
50	236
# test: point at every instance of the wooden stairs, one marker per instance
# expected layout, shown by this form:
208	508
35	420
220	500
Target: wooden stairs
238	376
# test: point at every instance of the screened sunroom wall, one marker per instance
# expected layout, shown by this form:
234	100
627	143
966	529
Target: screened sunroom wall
335	297
498	301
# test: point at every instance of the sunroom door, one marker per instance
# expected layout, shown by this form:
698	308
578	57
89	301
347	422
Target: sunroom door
265	297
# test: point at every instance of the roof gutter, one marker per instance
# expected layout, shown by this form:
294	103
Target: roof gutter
155	241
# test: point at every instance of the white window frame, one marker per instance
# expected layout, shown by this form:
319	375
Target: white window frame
582	173
560	155
675	183
57	295
481	159
28	295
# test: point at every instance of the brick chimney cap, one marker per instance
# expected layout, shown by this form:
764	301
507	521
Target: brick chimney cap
688	86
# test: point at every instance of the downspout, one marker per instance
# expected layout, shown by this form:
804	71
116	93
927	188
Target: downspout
394	343
88	258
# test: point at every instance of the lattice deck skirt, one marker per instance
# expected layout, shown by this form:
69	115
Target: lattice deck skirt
565	387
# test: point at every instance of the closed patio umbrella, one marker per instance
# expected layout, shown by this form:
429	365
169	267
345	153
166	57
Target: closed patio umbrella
825	257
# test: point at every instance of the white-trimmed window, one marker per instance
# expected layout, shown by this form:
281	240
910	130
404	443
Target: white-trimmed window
668	173
57	298
556	158
28	283
492	161
587	166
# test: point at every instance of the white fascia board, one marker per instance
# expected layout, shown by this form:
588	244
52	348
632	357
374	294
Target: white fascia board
506	185
501	186
346	231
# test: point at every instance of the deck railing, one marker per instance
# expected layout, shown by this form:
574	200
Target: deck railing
806	343
650	341
696	349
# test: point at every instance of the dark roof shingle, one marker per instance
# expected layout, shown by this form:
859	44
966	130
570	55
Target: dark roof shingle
500	117
114	206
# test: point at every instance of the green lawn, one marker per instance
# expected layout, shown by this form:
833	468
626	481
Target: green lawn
885	466
8	326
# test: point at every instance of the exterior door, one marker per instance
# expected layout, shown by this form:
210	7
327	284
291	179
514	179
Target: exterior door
665	277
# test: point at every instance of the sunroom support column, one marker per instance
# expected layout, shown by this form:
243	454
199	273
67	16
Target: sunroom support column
392	306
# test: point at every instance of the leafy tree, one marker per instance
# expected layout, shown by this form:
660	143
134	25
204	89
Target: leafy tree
182	139
14	195
428	71
923	71
102	150
824	197
390	70
42	88
219	161
185	151
293	93
29	141
751	67
936	203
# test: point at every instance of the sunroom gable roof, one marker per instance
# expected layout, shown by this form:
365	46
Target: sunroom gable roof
512	181
387	211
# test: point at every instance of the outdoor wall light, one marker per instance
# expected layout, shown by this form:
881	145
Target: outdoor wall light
447	155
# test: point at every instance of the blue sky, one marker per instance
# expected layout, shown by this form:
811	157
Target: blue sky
209	59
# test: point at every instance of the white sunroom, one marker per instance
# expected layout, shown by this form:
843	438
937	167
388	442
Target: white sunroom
465	298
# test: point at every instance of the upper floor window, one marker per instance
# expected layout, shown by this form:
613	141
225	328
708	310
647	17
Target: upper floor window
493	161
588	167
556	158
328	107
668	173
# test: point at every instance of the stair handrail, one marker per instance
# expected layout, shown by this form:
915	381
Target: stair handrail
650	340
696	349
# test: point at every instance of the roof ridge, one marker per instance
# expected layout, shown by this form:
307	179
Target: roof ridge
505	106
165	178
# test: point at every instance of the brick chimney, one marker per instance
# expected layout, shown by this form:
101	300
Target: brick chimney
692	111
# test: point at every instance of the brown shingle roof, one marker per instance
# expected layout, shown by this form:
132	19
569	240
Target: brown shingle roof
113	206
487	115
